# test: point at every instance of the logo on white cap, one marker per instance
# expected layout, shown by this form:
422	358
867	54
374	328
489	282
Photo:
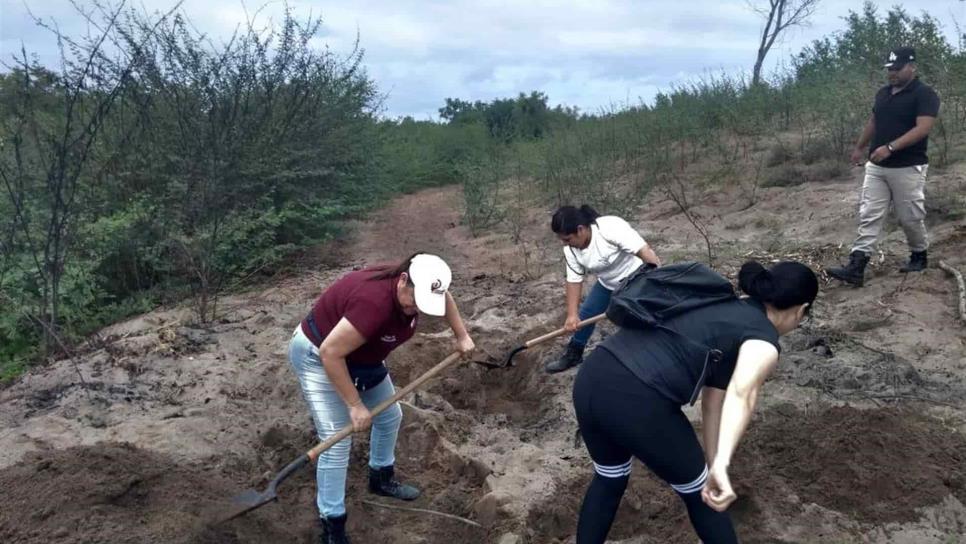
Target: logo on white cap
431	277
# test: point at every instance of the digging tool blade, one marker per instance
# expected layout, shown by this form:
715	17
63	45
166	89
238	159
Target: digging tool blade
509	358
505	364
251	499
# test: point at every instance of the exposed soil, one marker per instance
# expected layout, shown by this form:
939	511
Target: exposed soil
859	436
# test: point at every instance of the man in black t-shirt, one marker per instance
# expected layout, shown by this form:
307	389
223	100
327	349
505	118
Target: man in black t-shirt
893	144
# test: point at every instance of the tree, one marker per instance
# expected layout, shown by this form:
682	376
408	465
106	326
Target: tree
244	136
52	125
507	119
462	111
154	164
779	15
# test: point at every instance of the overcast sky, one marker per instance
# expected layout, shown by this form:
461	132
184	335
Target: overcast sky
593	54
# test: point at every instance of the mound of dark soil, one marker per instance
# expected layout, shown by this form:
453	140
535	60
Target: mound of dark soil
874	466
119	493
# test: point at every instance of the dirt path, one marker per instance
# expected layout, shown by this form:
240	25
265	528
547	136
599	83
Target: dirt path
860	435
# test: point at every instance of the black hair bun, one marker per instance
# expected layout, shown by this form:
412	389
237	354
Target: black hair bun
755	280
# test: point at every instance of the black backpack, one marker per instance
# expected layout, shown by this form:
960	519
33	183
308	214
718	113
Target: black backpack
651	295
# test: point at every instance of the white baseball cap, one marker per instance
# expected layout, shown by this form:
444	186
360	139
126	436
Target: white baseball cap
431	277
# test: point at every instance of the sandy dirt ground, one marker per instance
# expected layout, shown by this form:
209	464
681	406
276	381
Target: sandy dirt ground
860	436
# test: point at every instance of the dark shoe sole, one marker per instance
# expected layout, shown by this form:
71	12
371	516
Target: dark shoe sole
555	370
397	497
849	280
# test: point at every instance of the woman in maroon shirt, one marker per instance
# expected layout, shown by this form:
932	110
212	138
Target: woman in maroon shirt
338	352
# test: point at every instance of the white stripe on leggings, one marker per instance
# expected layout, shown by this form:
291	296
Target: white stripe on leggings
694	486
614	471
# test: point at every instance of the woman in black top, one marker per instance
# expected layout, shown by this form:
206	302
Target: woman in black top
628	398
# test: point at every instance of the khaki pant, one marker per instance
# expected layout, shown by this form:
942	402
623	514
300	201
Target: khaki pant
904	188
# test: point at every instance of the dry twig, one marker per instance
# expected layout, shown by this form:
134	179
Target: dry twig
681	199
962	288
423	510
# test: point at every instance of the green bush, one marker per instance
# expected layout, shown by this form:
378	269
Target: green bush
481	192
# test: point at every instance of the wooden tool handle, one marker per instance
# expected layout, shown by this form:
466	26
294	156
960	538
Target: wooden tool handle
314	453
561	331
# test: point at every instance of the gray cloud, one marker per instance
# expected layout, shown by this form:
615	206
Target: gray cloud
588	53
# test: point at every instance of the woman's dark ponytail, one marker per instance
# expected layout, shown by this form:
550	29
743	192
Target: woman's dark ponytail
386	271
784	285
755	280
567	218
589	214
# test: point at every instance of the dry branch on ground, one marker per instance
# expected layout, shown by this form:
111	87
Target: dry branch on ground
962	288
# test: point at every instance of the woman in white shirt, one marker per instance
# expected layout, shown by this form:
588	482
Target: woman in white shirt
606	246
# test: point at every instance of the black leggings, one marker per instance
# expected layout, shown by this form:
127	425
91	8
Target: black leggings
620	417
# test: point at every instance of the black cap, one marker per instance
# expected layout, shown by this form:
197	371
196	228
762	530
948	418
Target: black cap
900	56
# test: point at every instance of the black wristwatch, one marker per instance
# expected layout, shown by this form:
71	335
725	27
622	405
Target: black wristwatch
890	148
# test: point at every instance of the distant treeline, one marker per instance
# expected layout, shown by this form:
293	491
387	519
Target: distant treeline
155	166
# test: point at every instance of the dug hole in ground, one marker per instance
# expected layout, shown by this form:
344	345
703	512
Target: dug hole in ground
859	436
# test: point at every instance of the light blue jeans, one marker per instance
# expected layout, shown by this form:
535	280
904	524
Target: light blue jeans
331	414
596	303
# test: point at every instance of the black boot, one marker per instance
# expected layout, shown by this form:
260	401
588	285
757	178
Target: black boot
917	262
333	530
854	272
570	358
382	482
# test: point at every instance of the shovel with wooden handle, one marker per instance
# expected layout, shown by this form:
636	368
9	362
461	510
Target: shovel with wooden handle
252	498
539	340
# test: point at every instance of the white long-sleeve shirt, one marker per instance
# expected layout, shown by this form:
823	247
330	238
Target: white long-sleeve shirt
611	254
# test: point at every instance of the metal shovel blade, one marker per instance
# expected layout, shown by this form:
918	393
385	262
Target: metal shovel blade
251	499
506	364
509	358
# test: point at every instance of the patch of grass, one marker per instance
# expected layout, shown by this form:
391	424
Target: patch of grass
11	370
828	170
682	255
767	222
777	154
788	175
944	206
828	227
818	150
736	224
772	241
